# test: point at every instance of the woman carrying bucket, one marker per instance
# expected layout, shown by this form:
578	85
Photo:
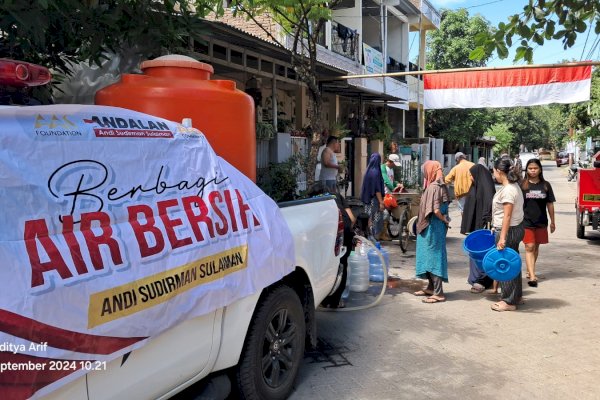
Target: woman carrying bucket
507	222
478	215
432	225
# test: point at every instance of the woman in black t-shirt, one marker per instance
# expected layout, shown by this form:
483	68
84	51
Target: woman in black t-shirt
538	197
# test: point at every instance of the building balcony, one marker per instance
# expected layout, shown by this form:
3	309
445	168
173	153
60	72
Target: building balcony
431	17
397	67
344	41
415	90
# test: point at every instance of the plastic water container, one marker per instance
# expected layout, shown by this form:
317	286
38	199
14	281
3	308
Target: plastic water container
477	244
346	292
175	87
502	265
358	273
375	267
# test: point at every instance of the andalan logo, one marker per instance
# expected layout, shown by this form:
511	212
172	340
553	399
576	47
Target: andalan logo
53	122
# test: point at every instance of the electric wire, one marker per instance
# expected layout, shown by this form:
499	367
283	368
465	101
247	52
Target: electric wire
593	48
585	43
483	4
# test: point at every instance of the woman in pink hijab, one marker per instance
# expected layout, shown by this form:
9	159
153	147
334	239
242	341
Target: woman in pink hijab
432	225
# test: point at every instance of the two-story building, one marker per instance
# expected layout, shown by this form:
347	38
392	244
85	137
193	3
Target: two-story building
363	37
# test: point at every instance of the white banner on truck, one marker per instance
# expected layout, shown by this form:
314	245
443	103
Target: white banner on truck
116	226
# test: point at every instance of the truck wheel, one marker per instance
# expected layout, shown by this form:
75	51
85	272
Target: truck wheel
580	229
274	347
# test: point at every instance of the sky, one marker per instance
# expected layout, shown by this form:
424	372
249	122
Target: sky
497	11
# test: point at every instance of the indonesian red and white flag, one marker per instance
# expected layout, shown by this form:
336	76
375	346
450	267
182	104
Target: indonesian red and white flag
507	88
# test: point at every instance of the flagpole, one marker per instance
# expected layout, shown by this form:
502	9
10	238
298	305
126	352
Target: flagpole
445	71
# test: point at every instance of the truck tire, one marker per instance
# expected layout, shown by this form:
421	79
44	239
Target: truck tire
274	347
580	228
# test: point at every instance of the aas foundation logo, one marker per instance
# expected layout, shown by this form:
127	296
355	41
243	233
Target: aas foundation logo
55	126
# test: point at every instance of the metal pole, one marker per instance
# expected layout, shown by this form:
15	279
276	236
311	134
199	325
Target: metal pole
383	37
274	102
421	50
446	71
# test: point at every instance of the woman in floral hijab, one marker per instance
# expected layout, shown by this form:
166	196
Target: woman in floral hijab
432	225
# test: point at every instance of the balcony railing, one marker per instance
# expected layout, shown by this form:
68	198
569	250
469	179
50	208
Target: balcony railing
344	41
431	13
397	67
415	67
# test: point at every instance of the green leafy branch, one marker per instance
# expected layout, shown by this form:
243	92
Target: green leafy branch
540	21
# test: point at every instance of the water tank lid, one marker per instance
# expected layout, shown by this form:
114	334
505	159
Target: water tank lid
178	61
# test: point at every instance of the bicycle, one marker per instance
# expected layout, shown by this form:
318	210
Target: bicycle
398	222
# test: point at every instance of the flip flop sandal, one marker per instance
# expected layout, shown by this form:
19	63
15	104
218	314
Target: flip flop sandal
422	293
503	307
477	289
432	300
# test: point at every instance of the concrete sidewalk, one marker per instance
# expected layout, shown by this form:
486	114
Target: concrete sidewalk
461	349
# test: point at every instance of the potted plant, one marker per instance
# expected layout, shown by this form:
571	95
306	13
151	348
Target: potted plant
338	129
264	131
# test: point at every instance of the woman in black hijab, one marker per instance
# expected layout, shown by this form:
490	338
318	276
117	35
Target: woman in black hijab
372	195
478	215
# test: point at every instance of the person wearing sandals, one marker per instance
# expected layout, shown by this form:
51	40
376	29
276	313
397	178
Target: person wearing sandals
432	225
507	222
371	194
478	215
539	196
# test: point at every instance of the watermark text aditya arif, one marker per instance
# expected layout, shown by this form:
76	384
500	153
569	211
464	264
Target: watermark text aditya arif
22	348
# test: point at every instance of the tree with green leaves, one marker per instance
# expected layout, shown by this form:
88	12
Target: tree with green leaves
304	21
504	137
554	123
580	115
449	47
540	20
527	125
59	33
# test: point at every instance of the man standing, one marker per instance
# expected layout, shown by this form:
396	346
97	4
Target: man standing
518	167
329	164
387	171
461	177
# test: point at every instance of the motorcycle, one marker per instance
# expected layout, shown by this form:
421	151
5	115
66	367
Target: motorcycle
573	171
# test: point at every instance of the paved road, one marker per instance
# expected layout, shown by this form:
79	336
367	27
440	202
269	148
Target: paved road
460	349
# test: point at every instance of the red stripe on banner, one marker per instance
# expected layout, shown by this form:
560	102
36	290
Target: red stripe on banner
23	375
38	332
506	78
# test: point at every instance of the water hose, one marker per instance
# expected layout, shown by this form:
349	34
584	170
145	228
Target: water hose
383	287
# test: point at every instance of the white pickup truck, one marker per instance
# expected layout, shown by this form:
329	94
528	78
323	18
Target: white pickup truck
261	336
106	289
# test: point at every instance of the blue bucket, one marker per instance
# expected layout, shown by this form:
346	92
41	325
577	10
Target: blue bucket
477	244
502	265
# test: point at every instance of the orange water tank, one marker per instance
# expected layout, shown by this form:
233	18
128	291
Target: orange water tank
176	87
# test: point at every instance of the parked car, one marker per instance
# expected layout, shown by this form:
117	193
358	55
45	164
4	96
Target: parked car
562	158
525	156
